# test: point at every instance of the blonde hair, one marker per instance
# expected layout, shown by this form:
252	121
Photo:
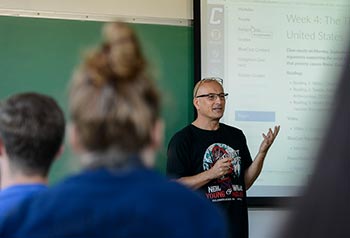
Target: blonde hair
113	101
205	80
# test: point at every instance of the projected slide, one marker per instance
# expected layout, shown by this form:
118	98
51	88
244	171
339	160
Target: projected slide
280	61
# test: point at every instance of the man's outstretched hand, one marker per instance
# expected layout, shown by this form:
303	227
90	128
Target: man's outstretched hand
269	138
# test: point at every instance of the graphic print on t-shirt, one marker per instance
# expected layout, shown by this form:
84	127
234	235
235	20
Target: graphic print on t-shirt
228	187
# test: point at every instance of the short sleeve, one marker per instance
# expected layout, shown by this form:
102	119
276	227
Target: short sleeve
177	156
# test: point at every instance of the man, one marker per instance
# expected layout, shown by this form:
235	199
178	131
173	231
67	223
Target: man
214	157
31	133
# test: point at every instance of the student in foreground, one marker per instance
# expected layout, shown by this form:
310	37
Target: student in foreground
32	128
116	130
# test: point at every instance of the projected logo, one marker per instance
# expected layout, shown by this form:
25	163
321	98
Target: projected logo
213	37
215	17
216	23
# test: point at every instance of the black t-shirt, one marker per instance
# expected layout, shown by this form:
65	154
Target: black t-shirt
193	150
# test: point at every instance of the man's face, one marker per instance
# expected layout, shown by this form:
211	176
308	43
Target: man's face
210	107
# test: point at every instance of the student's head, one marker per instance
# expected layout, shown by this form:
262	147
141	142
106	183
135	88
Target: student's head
209	98
114	105
32	129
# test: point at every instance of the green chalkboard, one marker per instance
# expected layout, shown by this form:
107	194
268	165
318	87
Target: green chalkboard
40	54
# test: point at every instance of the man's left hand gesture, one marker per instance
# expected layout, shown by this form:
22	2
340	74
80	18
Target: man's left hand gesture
268	139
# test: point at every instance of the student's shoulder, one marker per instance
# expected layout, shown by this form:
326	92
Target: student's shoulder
186	205
193	198
197	208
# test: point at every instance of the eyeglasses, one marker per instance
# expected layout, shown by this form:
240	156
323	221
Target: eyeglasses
213	96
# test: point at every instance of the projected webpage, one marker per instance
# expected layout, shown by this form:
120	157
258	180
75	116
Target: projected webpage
280	61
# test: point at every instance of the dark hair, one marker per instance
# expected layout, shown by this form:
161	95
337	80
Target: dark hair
324	209
32	128
113	101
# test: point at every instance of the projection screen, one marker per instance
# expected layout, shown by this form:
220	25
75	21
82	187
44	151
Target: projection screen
280	62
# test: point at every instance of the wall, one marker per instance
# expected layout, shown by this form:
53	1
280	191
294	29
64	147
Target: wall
173	12
266	222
